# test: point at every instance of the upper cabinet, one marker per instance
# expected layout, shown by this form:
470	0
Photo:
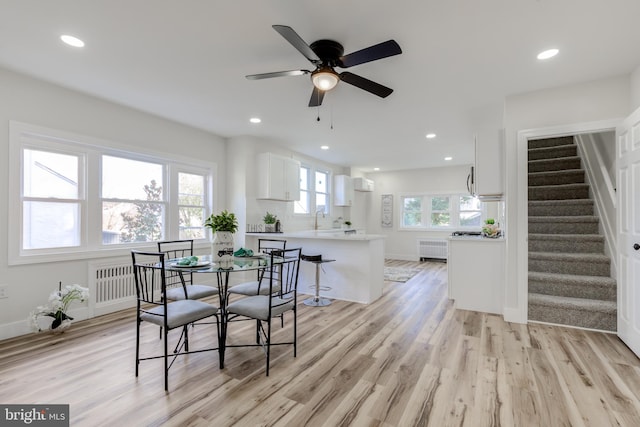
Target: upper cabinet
362	184
488	180
342	190
278	177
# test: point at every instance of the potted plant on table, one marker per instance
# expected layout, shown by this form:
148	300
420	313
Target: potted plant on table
270	222
223	225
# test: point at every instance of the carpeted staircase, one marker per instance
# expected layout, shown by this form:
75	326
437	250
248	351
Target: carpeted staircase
569	273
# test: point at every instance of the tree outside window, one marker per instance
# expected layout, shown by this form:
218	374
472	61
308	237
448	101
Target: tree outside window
412	211
440	211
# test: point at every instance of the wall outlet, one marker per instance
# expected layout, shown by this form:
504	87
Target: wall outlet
4	291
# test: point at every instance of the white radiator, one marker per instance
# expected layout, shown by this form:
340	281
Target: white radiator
432	248
111	285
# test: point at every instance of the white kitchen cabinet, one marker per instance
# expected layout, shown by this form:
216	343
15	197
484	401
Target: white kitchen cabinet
278	177
475	267
362	184
488	180
342	190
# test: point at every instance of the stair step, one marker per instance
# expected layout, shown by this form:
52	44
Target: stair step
572	176
581	312
559	192
552	152
550	142
561	207
572	285
567	243
563	224
562	163
570	263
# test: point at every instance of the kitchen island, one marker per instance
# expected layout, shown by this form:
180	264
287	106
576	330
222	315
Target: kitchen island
357	275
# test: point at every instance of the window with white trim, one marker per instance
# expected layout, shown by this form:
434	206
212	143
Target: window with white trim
313	192
440	211
301	206
75	196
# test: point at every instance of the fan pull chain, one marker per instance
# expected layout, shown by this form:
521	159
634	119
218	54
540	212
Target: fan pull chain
331	116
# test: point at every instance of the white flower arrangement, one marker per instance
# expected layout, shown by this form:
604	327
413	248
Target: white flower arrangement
59	302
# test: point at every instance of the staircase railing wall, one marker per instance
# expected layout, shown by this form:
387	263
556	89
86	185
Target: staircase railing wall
590	147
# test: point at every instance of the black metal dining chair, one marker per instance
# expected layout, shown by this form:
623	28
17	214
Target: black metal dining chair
153	307
263	308
180	284
265	246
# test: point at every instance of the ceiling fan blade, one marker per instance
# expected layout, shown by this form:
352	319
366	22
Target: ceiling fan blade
366	84
277	74
316	97
371	53
296	41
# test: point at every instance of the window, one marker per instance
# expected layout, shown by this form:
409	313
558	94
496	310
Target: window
76	197
51	199
302	205
191	205
441	211
470	211
132	203
316	195
322	192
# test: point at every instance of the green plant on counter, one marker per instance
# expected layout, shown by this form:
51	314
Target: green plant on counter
269	218
347	223
224	221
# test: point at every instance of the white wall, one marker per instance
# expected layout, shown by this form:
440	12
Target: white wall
635	89
403	244
586	102
32	101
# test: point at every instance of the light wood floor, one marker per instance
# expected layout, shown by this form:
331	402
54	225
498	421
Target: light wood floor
409	359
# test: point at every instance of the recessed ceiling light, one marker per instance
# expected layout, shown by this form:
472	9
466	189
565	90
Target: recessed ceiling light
72	41
376	169
550	53
324	147
448	158
255	120
431	135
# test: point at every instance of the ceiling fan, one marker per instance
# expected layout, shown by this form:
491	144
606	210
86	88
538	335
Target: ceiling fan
326	55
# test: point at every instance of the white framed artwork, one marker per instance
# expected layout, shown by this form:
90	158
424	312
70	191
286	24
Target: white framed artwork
387	210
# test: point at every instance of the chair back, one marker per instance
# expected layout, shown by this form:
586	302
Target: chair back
177	249
149	275
288	271
266	246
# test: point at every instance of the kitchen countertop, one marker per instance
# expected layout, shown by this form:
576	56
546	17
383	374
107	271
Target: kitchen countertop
476	239
330	234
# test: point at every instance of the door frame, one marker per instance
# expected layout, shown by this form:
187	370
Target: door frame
522	197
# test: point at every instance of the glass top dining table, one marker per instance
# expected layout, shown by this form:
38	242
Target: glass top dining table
223	270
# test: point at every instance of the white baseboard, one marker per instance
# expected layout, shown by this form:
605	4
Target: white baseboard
402	257
513	315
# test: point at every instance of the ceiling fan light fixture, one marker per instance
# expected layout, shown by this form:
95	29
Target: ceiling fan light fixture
325	79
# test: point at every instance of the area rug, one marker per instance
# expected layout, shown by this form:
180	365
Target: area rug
399	274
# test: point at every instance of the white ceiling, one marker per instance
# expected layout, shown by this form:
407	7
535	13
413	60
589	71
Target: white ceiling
186	61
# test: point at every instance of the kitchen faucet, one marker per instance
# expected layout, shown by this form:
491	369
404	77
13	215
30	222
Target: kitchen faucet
315	226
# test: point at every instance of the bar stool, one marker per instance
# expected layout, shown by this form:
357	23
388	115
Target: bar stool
316	300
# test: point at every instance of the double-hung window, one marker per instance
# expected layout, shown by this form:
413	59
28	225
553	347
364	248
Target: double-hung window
72	196
440	211
314	193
